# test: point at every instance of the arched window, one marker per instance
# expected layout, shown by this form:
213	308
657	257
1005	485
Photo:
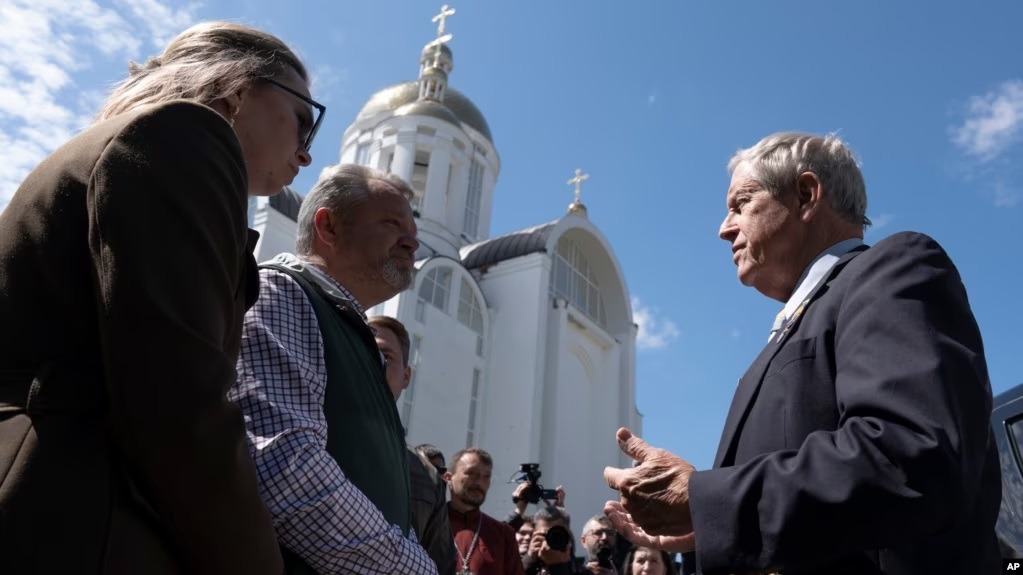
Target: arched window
575	281
435	288
469	312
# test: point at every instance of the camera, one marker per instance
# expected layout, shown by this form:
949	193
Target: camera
534	492
557	538
604	557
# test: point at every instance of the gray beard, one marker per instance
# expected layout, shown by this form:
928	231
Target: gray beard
394	277
390	275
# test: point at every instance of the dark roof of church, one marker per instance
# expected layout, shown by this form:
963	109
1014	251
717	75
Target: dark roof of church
287	202
508	246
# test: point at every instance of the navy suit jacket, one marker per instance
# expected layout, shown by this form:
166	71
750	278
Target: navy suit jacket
859	442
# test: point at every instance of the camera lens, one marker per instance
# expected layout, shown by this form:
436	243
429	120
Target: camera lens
557	538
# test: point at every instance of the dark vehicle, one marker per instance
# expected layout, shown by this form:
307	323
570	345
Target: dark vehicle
1007	422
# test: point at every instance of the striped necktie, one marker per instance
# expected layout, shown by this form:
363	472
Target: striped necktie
779	322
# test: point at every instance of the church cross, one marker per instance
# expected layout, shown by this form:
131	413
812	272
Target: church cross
579	178
442	17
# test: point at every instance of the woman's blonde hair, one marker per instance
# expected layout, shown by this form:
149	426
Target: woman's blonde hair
204	63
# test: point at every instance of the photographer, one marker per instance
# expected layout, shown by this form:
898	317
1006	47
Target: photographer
550	549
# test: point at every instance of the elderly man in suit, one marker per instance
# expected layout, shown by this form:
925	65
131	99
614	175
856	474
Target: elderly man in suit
858	442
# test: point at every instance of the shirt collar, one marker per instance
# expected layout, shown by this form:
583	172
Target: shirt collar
470	516
817	269
330	286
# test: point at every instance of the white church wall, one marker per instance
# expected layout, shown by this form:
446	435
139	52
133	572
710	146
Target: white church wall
276	232
436	407
580	411
628	412
516	292
489	181
443	381
617	406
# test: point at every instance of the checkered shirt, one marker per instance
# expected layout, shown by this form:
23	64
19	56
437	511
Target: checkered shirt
317	512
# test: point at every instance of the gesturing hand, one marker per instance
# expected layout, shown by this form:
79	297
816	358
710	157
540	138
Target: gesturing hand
655	493
627	528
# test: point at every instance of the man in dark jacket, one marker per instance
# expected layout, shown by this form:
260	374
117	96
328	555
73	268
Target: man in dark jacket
859	441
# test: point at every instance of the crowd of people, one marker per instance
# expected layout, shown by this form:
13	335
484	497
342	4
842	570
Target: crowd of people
169	406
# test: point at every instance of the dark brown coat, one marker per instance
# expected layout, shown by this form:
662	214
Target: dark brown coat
125	271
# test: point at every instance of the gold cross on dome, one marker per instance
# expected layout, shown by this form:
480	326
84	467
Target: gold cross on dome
579	178
445	12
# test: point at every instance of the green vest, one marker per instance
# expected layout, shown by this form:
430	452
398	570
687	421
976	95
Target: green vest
364	432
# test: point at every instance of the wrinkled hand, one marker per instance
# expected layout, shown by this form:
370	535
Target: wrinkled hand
655	493
627	528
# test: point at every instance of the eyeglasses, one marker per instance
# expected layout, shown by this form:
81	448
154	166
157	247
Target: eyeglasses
305	138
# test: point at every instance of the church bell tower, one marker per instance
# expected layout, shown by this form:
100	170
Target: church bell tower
437	140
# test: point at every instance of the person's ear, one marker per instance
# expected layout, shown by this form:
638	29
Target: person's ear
407	377
326	225
230	105
810	195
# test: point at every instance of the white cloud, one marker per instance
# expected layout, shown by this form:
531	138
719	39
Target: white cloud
162	21
655	330
993	122
44	47
736	334
881	220
1006	196
327	82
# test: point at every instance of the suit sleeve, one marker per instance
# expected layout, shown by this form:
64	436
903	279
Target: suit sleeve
167	203
914	400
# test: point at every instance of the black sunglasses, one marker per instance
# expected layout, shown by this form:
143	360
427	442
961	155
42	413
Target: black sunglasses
320	108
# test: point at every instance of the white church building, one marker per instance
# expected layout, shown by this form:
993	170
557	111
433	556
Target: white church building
522	344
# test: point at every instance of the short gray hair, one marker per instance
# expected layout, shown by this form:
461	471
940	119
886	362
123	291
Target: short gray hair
552	514
777	160
205	63
339	187
600	519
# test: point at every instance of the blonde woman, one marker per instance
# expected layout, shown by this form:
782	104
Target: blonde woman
125	270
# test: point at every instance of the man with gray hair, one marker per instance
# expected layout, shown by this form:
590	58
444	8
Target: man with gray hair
322	425
600	541
859	441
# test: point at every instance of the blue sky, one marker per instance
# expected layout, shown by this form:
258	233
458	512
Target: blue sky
651	99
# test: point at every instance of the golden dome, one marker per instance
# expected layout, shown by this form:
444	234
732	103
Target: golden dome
395	97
